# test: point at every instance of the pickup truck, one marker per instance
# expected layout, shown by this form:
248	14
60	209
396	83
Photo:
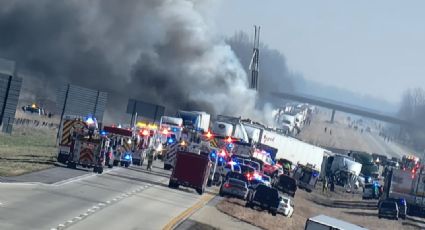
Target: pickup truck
191	170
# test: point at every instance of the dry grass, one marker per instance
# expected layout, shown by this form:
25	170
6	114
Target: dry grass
28	149
347	207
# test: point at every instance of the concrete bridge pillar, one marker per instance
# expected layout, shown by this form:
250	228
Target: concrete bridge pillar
333	116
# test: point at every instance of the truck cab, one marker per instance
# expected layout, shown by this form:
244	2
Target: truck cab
306	177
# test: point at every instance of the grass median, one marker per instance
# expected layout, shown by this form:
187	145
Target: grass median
28	149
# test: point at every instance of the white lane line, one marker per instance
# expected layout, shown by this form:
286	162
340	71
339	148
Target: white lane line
108	202
101	204
61	225
115	199
69	221
53	229
78	218
85	214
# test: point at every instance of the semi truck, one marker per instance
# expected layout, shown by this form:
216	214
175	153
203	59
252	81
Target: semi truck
344	168
289	148
191	170
197	120
409	185
369	167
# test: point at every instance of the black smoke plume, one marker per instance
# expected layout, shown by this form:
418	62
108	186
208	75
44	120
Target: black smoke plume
161	51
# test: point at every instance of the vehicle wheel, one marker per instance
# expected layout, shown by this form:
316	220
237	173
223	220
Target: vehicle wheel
396	218
100	170
308	190
247	204
171	184
379	217
141	162
200	191
209	183
167	167
403	217
69	165
221	193
273	213
110	166
95	169
127	164
115	163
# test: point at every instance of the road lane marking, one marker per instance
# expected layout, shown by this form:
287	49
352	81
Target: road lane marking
188	212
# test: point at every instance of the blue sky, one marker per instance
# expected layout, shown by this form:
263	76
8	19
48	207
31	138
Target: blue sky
370	47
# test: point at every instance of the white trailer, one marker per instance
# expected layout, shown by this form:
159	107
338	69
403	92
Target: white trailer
289	148
292	149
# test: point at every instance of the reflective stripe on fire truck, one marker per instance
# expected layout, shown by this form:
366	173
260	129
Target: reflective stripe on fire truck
68	127
172	150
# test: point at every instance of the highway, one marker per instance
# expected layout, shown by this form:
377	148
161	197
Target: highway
121	198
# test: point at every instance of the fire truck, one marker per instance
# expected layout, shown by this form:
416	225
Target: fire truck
81	143
121	141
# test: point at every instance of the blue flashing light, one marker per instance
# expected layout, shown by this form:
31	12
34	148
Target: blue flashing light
170	140
220	159
174	130
103	133
403	201
127	157
315	174
213	154
230	145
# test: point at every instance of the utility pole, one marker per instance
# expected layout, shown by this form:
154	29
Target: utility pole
254	65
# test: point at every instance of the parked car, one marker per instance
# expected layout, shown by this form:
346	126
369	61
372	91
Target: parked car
286	206
236	175
267	180
286	184
402	206
231	167
235	188
264	197
246	169
388	209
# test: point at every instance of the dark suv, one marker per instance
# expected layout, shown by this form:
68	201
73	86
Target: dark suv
264	197
286	184
388	209
402	206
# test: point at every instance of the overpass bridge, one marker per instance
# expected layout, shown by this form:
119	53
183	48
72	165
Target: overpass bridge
344	107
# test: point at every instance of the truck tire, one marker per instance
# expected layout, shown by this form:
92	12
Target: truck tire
221	193
95	170
115	163
209	183
126	164
171	184
273	213
100	170
110	166
167	167
200	191
69	165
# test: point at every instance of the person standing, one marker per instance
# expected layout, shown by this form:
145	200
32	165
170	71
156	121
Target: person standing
151	155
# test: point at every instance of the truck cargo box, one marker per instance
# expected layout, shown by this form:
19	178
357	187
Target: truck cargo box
191	170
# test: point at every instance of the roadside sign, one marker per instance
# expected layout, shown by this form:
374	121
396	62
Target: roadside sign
10	88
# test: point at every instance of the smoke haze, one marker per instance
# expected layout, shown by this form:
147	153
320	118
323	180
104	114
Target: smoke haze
161	51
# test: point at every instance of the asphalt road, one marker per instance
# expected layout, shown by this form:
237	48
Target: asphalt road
119	199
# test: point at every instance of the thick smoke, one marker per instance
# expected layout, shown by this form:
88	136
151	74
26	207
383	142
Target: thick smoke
160	51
